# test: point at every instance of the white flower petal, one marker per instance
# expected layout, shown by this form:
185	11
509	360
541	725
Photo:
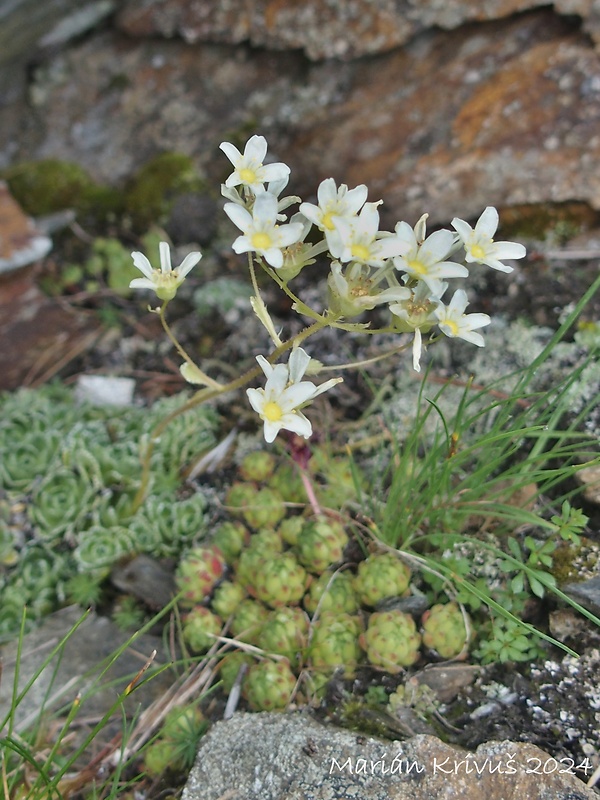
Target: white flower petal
477	320
463	228
327	193
275	173
141	283
437	246
297	423
271	429
255	149
459	302
487	224
231	151
289	234
188	263
276	382
256	398
239	216
298	364
296	394
242	245
265	365
142	263
509	250
356	198
165	257
273	256
265	210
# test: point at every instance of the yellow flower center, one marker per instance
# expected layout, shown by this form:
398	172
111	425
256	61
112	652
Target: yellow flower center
361	252
452	325
272	411
261	241
248	175
477	251
327	222
417	266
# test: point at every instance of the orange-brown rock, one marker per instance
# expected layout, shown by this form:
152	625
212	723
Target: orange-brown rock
38	335
500	113
322	28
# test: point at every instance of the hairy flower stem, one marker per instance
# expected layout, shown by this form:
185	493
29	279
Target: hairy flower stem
183	353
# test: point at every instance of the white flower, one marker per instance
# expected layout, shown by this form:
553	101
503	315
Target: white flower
249	168
167	280
285	391
361	240
424	259
479	244
453	322
357	291
417	315
262	233
334	203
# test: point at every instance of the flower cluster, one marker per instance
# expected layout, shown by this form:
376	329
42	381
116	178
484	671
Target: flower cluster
405	271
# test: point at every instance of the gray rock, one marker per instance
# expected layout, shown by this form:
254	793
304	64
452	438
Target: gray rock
447	124
294	757
78	667
587	593
104	390
28	24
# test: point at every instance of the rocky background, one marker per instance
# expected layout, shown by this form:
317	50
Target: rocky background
443	107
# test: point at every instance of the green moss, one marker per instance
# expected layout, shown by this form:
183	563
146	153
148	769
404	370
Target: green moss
555	222
563	562
43	187
150	194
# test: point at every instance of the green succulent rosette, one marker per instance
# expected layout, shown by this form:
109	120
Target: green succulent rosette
266	509
248	620
13	603
9	552
227	597
391	640
61	502
28	460
381	576
320	544
231	537
281	581
240	496
444	629
198	573
285	633
334	644
99	548
290	528
262	547
229	668
332	591
257	466
341	478
200	626
287	482
186	437
269	685
164	525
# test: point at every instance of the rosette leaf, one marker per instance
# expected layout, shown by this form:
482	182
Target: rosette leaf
99	548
